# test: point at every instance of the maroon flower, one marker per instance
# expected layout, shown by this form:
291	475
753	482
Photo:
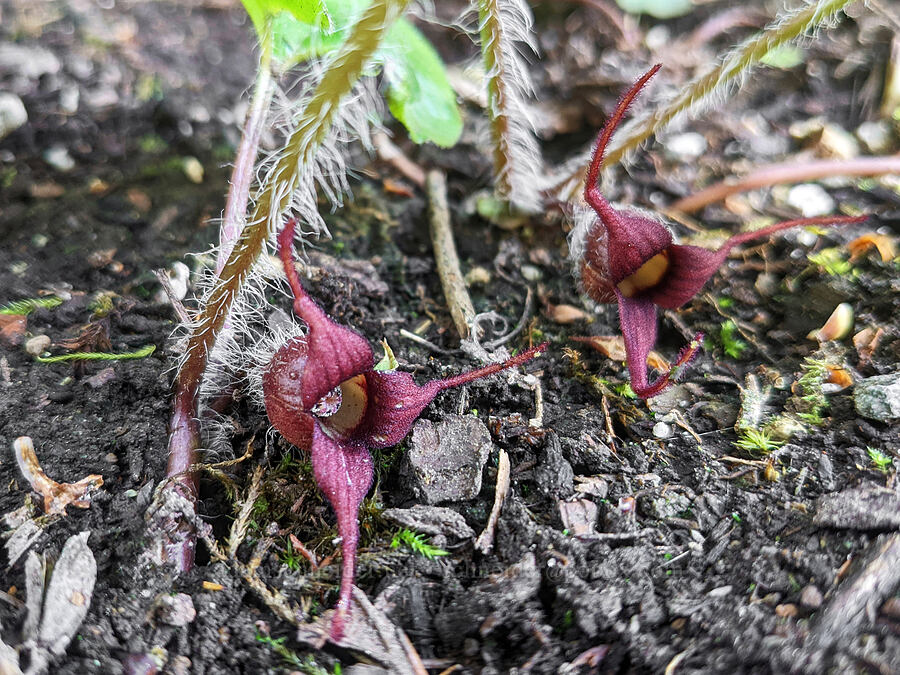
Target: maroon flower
629	257
322	393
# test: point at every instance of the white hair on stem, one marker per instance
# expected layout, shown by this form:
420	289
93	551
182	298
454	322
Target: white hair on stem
505	33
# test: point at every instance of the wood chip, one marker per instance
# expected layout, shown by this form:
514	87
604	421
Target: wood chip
57	496
485	541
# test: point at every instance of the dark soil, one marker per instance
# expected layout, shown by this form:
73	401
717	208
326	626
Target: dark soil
696	556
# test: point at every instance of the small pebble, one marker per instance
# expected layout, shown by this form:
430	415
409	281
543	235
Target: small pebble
685	147
662	430
37	345
787	611
876	137
811	597
811	200
12	113
478	276
531	273
193	169
175	610
59	158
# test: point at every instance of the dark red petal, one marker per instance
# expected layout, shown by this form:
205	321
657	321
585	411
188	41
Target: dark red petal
336	353
343	471
637	316
395	400
690	267
632	239
281	383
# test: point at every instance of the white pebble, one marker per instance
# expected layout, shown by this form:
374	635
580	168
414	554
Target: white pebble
811	200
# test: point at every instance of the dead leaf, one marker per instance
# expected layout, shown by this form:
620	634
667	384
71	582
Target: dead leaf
48	190
578	517
566	314
863	244
840	377
12	328
57	496
866	342
613	347
368	632
395	187
139	200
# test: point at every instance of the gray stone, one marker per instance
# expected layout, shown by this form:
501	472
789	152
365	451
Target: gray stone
445	459
878	398
811	597
175	610
12	113
37	345
865	509
672	505
433	520
662	430
553	474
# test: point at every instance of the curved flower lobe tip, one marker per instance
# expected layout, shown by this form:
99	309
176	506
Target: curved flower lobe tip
630	258
322	394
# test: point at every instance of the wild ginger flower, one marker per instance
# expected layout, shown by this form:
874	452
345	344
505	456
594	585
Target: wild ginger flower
630	258
322	393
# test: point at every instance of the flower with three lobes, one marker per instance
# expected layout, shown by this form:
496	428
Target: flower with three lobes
630	258
323	395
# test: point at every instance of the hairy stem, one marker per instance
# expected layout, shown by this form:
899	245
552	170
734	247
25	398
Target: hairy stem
698	93
789	172
501	24
273	198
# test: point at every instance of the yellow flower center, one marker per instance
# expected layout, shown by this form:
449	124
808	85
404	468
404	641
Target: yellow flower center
353	400
647	275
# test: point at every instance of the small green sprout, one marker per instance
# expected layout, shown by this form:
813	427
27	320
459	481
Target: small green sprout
306	665
881	460
416	541
832	262
812	400
736	517
28	305
753	441
290	558
624	390
732	345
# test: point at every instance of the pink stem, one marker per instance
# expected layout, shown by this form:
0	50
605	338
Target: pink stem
591	187
789	172
472	375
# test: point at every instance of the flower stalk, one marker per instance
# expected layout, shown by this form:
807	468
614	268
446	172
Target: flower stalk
295	161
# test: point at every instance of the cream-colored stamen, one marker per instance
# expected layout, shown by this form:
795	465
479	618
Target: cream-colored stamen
647	276
354	400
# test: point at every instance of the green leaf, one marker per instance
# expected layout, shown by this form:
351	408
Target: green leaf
388	361
419	94
308	11
660	9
